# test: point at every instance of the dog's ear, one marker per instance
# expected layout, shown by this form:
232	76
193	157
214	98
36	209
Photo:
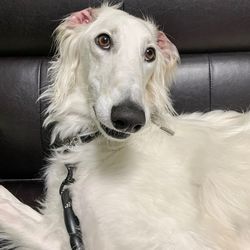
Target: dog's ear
68	27
85	16
159	87
68	36
167	48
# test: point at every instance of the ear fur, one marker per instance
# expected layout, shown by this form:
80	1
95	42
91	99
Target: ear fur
167	48
63	68
158	89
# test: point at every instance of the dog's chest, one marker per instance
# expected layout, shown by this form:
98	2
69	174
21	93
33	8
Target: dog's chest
128	192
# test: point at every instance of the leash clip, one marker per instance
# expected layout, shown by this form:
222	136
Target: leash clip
70	219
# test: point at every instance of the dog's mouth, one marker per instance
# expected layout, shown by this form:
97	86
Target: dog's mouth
114	133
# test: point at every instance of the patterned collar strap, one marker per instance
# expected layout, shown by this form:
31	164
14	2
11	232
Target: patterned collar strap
76	140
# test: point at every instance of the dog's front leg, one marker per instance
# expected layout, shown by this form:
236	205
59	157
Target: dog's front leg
23	226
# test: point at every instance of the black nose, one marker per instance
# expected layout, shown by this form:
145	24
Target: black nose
128	117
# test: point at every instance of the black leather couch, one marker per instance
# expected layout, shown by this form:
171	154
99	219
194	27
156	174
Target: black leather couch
212	36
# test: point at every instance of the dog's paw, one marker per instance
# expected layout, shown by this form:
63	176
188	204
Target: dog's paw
11	208
24	227
17	220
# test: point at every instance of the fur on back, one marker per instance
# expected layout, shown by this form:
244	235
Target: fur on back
152	191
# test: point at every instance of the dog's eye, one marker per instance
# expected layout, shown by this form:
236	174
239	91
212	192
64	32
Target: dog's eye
103	41
150	54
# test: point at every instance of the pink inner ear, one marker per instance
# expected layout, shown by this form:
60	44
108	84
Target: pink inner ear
165	45
81	17
162	40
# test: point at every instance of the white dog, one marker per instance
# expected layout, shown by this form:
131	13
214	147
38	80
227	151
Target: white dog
147	179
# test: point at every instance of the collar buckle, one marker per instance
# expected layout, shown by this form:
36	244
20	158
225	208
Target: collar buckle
76	140
72	142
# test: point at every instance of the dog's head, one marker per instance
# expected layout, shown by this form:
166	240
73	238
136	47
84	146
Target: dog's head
122	65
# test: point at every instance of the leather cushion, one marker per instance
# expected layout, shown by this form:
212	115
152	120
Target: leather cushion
212	81
20	120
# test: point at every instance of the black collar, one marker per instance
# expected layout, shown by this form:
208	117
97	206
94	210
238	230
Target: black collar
73	141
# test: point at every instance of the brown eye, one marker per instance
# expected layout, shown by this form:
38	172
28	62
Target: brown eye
150	54
103	41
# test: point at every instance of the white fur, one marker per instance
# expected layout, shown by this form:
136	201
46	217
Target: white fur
152	191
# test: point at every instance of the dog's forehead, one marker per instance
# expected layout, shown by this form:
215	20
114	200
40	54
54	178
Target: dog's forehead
122	22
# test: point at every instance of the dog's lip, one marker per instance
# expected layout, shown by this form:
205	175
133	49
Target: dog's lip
114	133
